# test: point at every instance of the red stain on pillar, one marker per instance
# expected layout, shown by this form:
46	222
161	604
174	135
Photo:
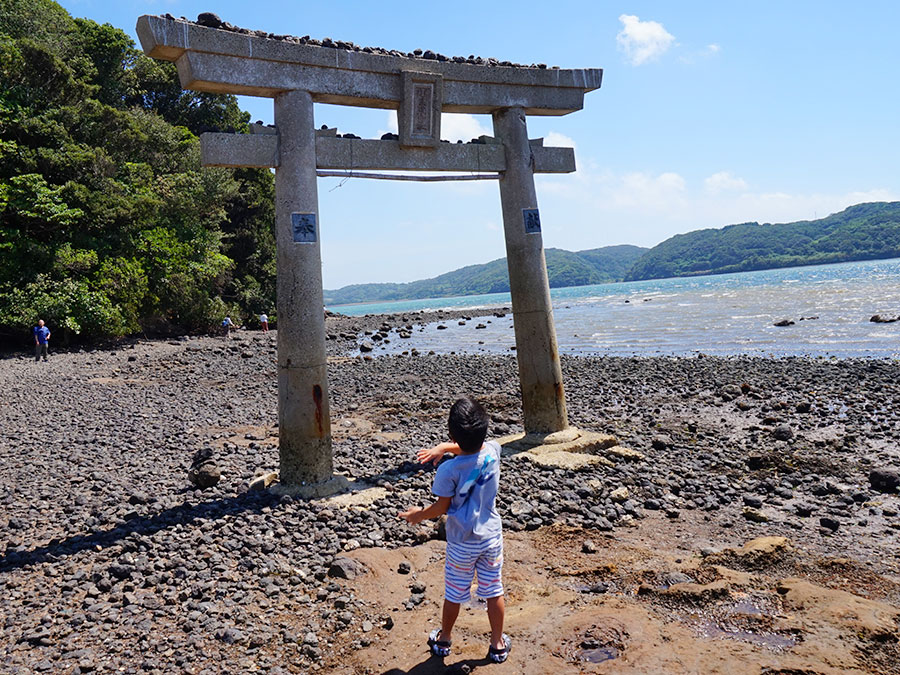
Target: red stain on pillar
317	397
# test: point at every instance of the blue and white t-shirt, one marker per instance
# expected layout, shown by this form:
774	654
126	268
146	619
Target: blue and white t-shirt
472	482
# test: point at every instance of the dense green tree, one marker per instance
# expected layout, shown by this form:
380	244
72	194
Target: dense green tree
108	224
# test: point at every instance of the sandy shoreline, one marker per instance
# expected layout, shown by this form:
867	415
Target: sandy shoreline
108	560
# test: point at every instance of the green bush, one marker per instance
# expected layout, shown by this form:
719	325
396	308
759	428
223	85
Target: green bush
108	224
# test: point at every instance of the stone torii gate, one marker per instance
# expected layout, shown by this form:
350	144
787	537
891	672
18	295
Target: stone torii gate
296	73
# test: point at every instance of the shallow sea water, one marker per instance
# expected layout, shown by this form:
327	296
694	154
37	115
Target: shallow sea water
727	314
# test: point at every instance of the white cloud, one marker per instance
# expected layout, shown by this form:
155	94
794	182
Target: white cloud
454	127
641	191
646	191
462	127
600	207
557	140
642	41
723	181
391	124
784	207
693	56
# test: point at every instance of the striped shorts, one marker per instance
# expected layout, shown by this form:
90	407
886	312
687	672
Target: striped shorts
464	561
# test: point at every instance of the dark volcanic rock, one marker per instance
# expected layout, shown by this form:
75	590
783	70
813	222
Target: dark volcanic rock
204	473
885	480
753	501
783	432
209	20
231	636
829	523
345	568
730	392
660	442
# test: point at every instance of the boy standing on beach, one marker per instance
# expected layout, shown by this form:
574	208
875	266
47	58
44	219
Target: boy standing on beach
466	490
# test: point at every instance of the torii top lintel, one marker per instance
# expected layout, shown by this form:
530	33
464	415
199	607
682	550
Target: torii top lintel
220	61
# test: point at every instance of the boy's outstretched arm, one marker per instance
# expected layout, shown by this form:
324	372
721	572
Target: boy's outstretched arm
433	455
417	514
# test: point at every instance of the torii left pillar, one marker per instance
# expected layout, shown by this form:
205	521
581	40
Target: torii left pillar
304	426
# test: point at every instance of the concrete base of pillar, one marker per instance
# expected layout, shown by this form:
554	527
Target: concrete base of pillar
567	435
326	488
339	490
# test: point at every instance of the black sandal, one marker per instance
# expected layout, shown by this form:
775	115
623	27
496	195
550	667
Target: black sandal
438	647
500	655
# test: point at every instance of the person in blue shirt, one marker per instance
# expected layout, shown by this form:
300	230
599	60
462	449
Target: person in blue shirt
466	490
227	325
41	340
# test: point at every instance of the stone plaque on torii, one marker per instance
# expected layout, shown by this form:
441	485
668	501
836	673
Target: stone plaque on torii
297	73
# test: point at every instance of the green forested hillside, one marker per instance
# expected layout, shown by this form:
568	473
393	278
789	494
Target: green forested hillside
564	268
861	232
108	225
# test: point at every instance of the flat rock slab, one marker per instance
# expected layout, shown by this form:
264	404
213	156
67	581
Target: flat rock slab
568	440
572	450
363	497
561	459
621	452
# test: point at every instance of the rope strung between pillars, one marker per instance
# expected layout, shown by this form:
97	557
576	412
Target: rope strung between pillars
323	173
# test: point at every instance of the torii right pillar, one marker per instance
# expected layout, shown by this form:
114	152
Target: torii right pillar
540	373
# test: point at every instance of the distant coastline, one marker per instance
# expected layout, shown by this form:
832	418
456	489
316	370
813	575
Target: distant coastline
859	233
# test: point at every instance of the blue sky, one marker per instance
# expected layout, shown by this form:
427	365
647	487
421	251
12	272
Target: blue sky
710	113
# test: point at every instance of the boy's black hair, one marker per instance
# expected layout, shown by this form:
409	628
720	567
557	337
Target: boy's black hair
468	424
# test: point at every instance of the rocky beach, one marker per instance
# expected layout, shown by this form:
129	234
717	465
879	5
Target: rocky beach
744	516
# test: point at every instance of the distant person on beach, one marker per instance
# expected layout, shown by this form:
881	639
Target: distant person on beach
227	325
264	323
466	490
41	340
